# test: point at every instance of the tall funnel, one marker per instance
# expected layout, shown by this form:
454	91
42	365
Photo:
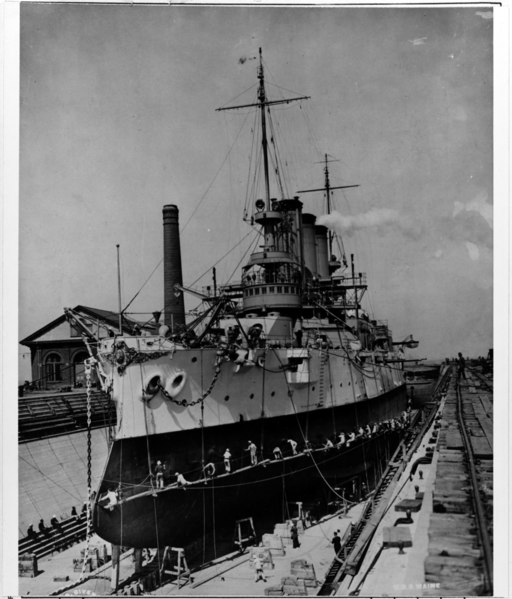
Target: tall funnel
322	258
173	301
308	232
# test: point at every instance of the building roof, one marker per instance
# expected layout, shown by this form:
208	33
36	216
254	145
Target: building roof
106	316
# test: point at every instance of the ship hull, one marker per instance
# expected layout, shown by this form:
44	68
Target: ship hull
208	510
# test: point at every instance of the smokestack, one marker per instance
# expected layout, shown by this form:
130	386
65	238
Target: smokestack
322	258
308	232
173	302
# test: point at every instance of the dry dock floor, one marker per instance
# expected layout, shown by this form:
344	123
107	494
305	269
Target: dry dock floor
225	580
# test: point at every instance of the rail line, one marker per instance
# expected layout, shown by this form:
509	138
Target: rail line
480	515
354	547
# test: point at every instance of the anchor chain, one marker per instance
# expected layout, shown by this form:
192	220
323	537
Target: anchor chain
123	356
188	404
88	370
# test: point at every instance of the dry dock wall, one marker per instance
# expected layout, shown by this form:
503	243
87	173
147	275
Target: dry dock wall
52	475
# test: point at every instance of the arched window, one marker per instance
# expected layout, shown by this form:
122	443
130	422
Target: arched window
53	368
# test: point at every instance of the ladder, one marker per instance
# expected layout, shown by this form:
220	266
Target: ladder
175	567
324	357
244	533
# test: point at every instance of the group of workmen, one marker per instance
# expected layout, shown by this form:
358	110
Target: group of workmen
55	525
343	439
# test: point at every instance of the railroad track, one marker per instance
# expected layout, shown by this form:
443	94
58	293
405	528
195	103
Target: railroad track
478	466
484	379
353	550
460	532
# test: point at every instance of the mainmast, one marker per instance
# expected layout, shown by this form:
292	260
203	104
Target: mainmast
262	104
273	278
262	99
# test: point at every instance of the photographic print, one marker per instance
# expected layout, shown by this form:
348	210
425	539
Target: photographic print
255	300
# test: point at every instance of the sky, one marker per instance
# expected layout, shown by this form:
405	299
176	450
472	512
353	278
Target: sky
117	118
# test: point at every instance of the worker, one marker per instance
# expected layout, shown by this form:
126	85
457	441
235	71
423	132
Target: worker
252	452
360	431
342	439
227	461
351	437
55	523
278	454
328	444
294	533
42	528
336	541
368	430
181	480
31	533
258	570
111	499
159	471
307	446
293	445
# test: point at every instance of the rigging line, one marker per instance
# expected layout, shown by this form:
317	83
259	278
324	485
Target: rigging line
281	88
215	177
213	521
253	156
274	156
290	395
222	257
142	287
148	454
240	94
249	249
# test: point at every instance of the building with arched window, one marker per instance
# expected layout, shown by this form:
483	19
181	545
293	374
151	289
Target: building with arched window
57	350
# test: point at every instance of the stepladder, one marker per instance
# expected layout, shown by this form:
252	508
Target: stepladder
174	564
244	533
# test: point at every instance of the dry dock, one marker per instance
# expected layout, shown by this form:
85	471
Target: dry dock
426	532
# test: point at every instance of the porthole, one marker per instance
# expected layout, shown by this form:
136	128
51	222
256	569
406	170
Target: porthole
272	394
251	396
312	388
177	381
341	384
194	359
226	398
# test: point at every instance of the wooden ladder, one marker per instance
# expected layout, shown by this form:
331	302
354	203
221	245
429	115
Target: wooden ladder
174	563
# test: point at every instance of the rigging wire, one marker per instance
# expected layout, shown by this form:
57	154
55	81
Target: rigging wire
223	256
214	178
142	287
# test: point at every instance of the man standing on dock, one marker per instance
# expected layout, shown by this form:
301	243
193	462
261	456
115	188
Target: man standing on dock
336	541
258	568
461	367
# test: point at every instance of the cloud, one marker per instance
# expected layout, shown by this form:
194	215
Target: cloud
419	41
377	218
478	204
473	251
484	14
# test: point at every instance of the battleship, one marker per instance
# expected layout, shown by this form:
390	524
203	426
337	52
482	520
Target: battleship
282	389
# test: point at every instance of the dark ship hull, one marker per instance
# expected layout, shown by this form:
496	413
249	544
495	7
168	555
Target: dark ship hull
182	516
